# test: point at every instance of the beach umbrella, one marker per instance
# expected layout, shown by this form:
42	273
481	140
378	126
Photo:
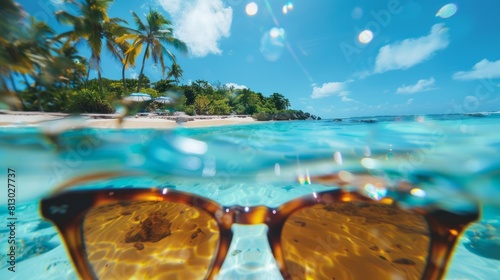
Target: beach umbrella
138	97
164	100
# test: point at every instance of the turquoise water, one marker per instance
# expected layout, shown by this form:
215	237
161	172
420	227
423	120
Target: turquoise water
453	159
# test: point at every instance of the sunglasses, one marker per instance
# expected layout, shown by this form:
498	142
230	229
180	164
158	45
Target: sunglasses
160	233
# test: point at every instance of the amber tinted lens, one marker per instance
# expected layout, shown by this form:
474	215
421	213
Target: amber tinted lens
150	240
355	241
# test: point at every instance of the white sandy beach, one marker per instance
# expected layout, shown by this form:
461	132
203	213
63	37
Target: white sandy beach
11	118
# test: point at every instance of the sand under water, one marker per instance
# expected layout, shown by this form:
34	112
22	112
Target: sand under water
149	240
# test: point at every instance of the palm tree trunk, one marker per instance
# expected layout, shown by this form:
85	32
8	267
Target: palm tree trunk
39	101
87	78
123	79
100	80
26	82
13	82
37	94
3	85
142	68
23	107
5	89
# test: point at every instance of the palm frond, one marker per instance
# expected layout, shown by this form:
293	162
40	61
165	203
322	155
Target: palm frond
65	17
138	22
122	39
132	54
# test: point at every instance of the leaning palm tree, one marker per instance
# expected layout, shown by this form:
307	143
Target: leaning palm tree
12	60
156	32
94	27
38	44
30	52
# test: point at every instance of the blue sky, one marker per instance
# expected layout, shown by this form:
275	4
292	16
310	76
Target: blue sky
419	60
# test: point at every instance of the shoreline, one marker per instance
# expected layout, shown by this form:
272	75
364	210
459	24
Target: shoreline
151	120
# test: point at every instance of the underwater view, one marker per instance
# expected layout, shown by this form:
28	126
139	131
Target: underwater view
249	139
450	161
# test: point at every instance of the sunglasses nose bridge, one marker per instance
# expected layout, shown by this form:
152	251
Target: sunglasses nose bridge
253	215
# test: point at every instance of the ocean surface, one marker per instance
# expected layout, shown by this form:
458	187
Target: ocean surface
453	159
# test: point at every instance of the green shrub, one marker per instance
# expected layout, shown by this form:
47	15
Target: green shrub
150	91
219	107
88	101
189	109
152	106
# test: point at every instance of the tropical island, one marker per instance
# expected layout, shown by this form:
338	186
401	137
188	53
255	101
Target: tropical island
44	71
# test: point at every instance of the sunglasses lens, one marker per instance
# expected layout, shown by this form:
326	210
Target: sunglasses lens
364	240
150	240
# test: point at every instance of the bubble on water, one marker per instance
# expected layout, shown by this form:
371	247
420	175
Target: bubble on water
447	10
337	156
276	32
365	37
272	44
277	169
357	13
417	192
288	7
369	163
251	9
375	192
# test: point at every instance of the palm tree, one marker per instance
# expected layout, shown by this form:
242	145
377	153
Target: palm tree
175	72
94	26
39	45
154	34
29	54
124	46
75	69
12	60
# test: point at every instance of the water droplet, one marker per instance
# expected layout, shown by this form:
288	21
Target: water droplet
447	11
365	36
251	9
273	43
357	13
286	8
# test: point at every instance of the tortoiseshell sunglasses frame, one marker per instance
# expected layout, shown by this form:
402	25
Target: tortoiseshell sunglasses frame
68	209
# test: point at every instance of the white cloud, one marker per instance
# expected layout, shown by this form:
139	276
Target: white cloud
420	86
410	52
343	96
134	75
328	89
236	86
200	23
409	102
484	69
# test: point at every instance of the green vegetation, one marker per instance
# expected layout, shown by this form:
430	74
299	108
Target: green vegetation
43	71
